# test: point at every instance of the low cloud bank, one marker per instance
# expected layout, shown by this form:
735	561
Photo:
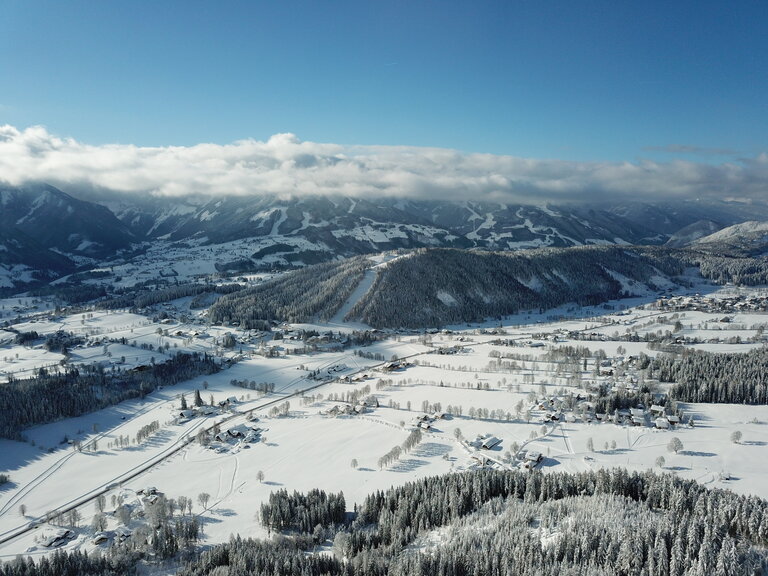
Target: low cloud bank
287	166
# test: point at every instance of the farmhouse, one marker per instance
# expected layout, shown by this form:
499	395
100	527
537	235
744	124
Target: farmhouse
532	459
490	442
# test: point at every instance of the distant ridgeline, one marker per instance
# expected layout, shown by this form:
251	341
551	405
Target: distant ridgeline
436	287
494	523
49	397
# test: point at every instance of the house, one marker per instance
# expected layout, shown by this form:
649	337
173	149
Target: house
657	410
532	459
673	419
489	442
57	538
662	423
637	421
186	414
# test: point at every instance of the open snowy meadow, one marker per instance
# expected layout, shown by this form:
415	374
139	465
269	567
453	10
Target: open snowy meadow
357	418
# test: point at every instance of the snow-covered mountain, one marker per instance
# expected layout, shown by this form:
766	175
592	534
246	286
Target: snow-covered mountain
749	237
60	222
348	226
90	226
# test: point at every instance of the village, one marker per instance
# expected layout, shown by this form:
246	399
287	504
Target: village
316	405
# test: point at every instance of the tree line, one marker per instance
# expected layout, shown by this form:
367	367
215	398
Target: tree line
47	397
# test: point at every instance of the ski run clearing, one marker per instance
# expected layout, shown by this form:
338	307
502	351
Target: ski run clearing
333	416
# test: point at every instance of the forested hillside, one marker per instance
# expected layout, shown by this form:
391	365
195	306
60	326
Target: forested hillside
444	286
601	523
595	523
439	286
299	296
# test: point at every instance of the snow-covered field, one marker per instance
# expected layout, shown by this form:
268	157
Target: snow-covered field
492	379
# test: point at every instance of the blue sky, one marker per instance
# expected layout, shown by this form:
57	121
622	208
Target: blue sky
583	81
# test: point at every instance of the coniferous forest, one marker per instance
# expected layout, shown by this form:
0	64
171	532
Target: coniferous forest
735	378
52	396
440	286
605	522
299	296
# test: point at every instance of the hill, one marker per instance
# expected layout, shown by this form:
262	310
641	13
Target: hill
435	287
441	286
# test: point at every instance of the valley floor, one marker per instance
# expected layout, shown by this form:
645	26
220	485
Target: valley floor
473	383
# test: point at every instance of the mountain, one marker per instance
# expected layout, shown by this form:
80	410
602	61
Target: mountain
92	226
24	263
692	233
369	224
60	222
746	238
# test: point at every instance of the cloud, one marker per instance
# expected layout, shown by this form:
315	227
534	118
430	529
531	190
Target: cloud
692	150
284	165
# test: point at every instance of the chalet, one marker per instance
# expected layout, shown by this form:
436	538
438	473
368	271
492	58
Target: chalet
395	365
425	425
673	419
532	459
637	421
490	442
99	538
661	423
57	538
657	410
222	436
637	412
186	414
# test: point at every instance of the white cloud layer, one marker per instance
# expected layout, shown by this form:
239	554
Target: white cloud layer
286	166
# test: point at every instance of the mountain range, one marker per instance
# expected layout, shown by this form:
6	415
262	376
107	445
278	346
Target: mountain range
46	232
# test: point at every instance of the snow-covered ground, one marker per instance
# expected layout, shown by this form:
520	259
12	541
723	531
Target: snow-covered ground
311	447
